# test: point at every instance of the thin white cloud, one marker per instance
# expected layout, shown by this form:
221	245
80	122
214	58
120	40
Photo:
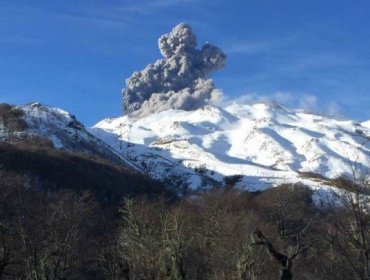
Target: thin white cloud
259	46
147	6
301	61
289	56
112	15
248	48
281	97
335	109
87	13
306	102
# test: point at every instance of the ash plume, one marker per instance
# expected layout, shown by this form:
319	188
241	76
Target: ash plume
179	80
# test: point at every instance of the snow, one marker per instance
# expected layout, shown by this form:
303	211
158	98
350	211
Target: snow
52	123
266	143
62	130
366	124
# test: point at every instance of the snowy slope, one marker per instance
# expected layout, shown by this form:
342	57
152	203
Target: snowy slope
55	126
366	124
267	144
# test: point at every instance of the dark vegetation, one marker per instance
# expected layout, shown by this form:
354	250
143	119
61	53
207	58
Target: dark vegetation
11	118
53	170
70	216
232	180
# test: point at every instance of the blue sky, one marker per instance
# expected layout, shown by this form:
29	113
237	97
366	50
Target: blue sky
77	54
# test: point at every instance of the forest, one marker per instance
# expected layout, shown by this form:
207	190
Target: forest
136	229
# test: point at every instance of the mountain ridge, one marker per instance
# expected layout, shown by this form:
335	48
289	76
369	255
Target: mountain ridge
266	143
254	146
35	122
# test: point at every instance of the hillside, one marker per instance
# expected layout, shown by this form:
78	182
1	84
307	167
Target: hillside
55	151
266	143
52	170
48	126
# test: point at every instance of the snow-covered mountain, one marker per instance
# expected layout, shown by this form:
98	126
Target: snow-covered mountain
41	125
266	144
254	146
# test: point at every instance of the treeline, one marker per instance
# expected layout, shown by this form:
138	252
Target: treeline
222	234
54	170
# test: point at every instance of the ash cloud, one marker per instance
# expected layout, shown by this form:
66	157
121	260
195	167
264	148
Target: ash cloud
178	81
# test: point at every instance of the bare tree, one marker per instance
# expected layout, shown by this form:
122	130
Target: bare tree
6	256
50	231
250	262
350	222
287	224
284	260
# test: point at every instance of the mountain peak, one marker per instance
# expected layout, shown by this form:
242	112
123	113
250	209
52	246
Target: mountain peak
265	143
40	125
